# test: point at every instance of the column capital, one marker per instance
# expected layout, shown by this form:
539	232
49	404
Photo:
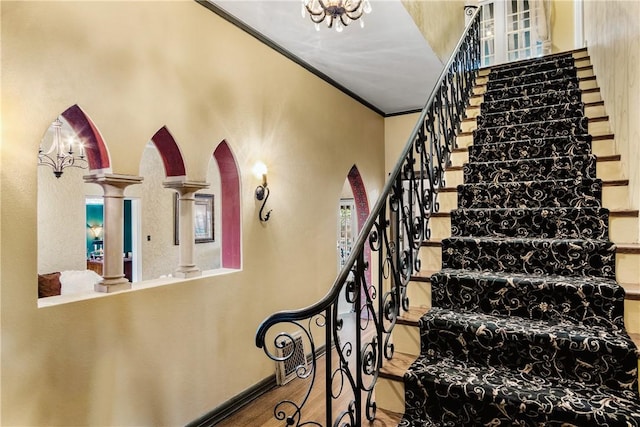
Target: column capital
116	180
185	187
112	184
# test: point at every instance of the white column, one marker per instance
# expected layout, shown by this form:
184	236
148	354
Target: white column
113	279
186	202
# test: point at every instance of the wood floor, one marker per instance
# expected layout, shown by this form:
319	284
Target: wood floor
260	412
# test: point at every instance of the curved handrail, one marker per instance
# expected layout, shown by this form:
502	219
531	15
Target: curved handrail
289	315
395	230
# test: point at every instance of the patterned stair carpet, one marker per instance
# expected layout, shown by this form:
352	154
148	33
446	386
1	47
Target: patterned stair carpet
527	321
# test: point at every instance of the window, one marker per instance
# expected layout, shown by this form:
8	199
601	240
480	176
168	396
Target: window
509	31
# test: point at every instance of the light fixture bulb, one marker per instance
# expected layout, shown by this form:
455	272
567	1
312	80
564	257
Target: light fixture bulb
260	171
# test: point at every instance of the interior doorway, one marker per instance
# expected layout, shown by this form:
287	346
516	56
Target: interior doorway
94	214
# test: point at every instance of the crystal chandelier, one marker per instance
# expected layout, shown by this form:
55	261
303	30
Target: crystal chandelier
60	154
340	12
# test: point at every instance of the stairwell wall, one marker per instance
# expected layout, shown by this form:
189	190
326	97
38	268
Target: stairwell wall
612	33
165	355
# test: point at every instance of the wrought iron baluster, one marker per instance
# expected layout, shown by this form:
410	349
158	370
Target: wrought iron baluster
395	230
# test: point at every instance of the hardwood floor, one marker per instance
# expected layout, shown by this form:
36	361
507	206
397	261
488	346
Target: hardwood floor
260	412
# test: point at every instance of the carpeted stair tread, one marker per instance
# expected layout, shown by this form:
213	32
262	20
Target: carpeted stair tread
564	257
587	300
527	320
463	393
534	77
547	223
574	145
531	89
515	115
532	130
527	62
531	101
566	167
551	348
531	194
537	66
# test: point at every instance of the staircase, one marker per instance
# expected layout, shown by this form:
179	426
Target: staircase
524	323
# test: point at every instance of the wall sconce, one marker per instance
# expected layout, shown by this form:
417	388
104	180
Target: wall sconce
96	231
262	191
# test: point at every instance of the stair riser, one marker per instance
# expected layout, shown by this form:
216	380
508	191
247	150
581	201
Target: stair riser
475	102
627	265
632	316
613	198
593	362
599	148
547	223
560	73
419	294
502	108
594	128
406	339
517	116
621	229
580	62
565	258
532	194
531	131
390	395
440	395
591	111
583	70
594	303
531	170
582	84
606	171
531	149
506	72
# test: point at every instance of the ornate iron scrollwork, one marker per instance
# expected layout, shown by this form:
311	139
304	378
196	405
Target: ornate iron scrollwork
357	343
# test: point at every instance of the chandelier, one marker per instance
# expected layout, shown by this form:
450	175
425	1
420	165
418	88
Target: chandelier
61	155
340	12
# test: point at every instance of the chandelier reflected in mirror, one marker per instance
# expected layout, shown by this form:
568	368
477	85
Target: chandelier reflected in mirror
337	13
62	153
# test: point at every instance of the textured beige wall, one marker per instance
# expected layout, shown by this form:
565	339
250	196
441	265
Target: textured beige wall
612	32
562	26
440	21
397	130
165	355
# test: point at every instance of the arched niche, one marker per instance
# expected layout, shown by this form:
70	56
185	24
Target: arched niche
230	206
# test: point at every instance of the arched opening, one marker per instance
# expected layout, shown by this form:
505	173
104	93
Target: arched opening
169	152
230	206
63	226
353	211
88	134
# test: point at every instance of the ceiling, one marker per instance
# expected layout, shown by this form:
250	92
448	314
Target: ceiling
387	65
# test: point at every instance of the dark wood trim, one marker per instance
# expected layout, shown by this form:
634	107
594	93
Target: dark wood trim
270	43
235	404
239	401
402	113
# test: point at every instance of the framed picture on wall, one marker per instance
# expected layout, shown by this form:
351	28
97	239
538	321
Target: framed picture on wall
202	221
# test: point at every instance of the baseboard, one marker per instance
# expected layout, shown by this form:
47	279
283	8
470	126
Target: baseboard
239	401
235	404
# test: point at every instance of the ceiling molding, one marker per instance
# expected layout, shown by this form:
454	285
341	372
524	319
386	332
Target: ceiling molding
233	20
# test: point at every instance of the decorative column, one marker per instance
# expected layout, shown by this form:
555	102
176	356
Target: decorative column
186	210
113	279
